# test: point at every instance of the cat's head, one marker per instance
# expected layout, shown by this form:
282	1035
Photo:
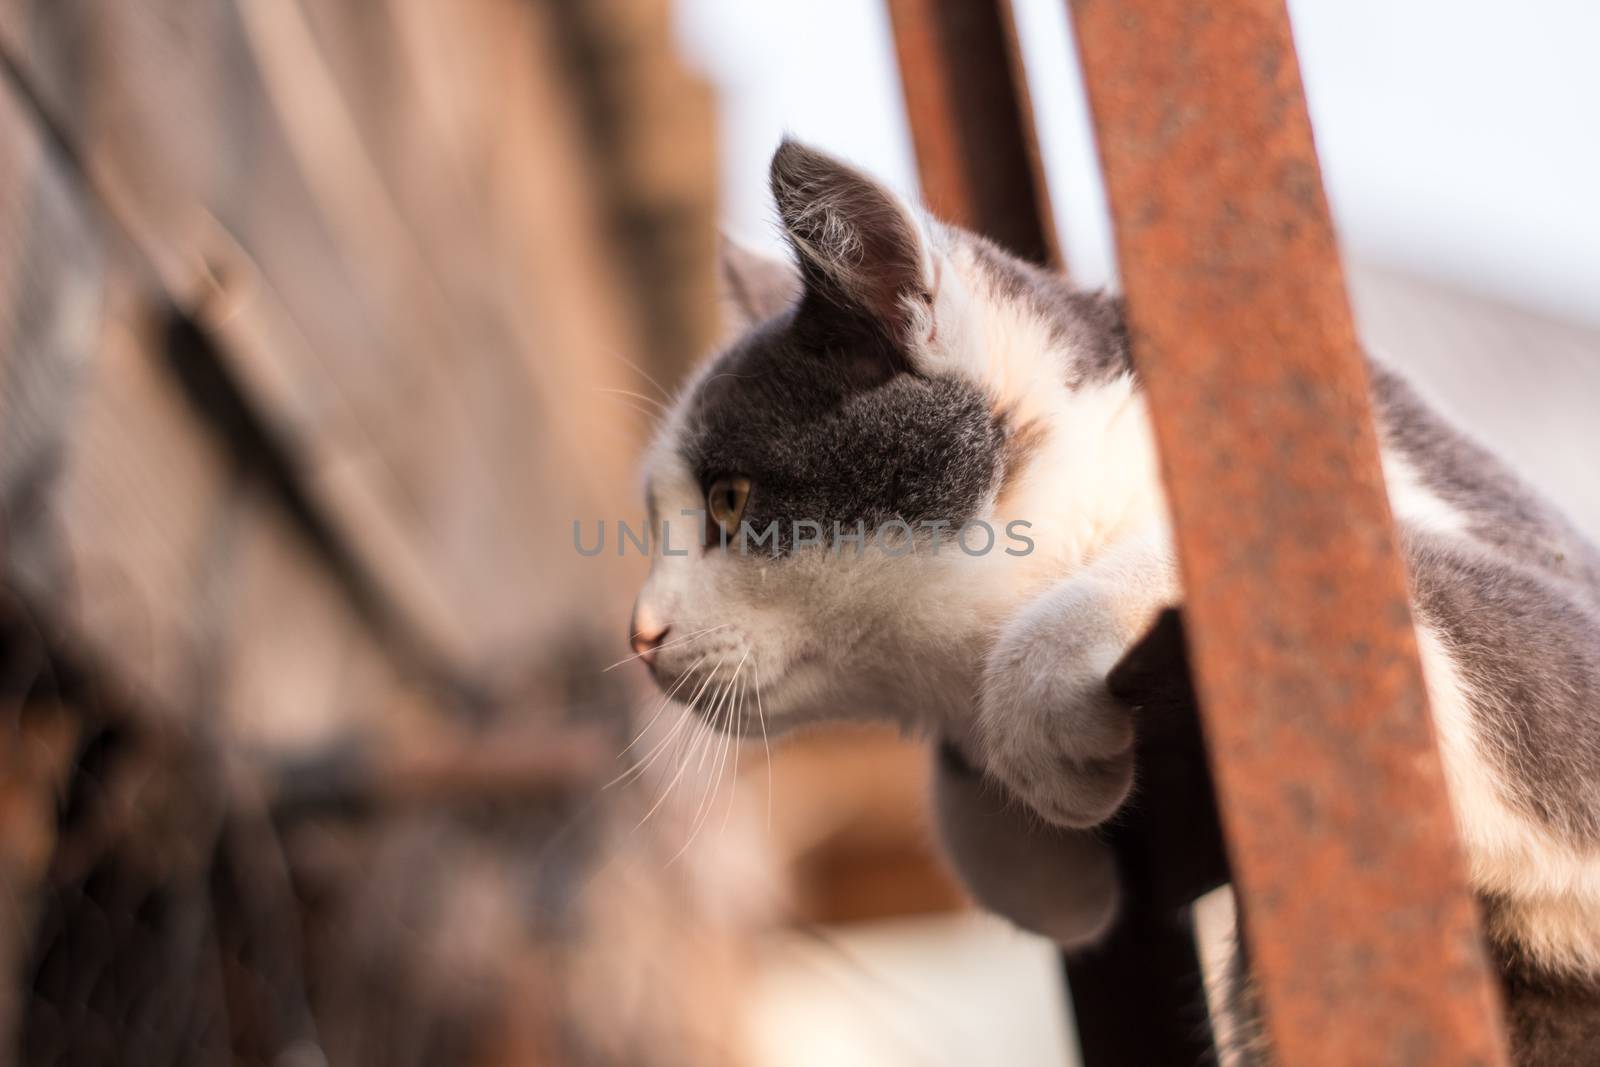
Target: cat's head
900	381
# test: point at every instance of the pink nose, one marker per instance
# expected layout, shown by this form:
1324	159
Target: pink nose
648	634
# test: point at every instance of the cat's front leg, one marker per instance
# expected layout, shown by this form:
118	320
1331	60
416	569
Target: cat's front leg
1056	882
1048	726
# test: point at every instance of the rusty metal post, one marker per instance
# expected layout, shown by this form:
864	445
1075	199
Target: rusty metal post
1137	998
972	123
1364	936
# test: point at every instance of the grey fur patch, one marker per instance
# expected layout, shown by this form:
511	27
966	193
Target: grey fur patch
1502	512
819	405
819	409
1551	1020
1056	882
1526	644
1517	602
828	433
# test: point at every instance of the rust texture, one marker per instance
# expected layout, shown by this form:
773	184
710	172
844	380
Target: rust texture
1363	933
1134	997
972	123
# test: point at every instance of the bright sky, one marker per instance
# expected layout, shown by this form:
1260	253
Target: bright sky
1460	138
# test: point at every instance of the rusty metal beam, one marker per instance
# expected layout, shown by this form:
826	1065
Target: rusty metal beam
1137	997
1363	933
972	123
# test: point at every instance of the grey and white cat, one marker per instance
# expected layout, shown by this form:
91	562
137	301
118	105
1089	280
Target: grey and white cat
904	375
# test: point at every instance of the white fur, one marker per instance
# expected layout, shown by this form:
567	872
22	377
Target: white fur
1413	502
908	638
1551	888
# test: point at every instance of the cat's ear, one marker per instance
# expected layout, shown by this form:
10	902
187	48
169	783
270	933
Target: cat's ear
753	287
860	247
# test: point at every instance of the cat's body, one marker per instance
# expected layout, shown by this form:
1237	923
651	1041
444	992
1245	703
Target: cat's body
914	374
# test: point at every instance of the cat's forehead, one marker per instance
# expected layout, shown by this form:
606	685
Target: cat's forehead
746	373
774	381
825	438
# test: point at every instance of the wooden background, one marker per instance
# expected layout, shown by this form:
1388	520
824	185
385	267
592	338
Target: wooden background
317	327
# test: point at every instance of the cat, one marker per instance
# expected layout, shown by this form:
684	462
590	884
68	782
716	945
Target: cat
824	485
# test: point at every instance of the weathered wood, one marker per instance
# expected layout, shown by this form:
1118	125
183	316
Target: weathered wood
37	743
129	528
651	132
315	237
52	284
358	297
179	147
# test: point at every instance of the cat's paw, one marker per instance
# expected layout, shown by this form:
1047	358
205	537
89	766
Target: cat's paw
1056	882
1048	726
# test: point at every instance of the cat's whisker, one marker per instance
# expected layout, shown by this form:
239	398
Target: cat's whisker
646	375
714	710
662	799
650	758
683	764
668	644
724	720
661	705
738	743
698	736
755	666
656	753
719	765
701	738
649	416
659	407
713	745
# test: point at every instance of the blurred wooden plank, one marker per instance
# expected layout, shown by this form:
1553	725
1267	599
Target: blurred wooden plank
128	525
651	131
52	282
295	667
161	103
493	180
220	148
37	747
383	179
128	528
113	495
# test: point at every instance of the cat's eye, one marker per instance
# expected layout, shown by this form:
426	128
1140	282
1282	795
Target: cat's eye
725	503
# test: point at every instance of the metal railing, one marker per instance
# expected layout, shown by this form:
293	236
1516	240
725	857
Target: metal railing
1362	933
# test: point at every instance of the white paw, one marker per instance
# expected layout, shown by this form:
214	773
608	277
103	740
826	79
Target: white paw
1048	727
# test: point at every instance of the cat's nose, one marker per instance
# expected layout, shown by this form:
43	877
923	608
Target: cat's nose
648	634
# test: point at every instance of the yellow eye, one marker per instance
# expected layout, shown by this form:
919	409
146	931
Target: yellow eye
725	502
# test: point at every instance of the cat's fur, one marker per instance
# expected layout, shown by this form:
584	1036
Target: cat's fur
910	371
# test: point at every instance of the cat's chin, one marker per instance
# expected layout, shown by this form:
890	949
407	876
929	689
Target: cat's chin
812	696
754	697
739	696
806	694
